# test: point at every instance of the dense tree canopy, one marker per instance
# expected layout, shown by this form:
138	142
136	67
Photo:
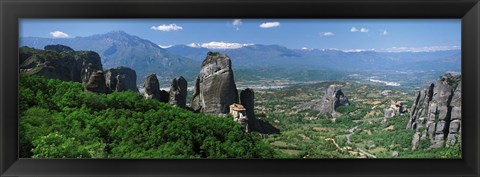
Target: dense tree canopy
59	120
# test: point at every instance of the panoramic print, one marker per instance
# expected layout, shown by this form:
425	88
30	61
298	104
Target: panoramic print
240	88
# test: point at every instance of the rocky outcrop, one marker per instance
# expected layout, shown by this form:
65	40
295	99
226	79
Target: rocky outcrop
389	112
436	112
164	96
58	48
51	65
121	79
178	92
25	53
454	130
90	62
394	109
60	62
332	99
152	87
247	97
215	88
96	83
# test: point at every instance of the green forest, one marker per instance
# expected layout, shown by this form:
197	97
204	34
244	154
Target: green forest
59	120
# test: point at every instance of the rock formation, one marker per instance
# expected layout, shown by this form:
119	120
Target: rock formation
152	87
215	88
394	109
436	112
178	92
60	62
90	62
454	130
25	53
96	83
247	97
121	79
390	112
58	48
164	96
332	99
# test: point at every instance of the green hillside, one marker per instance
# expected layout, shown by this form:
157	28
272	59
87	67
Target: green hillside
59	120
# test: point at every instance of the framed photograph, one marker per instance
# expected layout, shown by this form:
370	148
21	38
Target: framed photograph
239	88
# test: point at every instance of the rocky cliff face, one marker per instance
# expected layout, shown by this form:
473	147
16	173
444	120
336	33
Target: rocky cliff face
90	62
215	88
58	48
394	109
60	62
332	99
96	83
152	87
247	97
436	113
25	53
178	92
121	79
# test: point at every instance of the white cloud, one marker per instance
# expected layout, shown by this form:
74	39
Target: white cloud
384	33
358	50
353	29
165	27
59	34
363	30
421	49
165	46
236	22
218	45
269	24
304	48
196	45
331	49
328	34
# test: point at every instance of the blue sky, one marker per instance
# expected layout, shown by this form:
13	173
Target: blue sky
342	34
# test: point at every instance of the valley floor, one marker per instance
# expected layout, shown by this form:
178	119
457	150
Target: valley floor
360	132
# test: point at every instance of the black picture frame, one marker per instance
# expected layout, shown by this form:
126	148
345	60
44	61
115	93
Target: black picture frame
12	10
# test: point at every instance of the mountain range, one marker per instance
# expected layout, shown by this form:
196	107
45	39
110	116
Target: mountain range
250	62
279	56
118	48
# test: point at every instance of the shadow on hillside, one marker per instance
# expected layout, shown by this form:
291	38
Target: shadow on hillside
266	128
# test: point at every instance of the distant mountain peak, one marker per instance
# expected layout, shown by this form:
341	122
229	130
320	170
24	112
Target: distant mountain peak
116	35
117	32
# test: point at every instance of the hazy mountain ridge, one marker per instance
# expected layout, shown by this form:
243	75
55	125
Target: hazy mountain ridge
274	55
121	49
